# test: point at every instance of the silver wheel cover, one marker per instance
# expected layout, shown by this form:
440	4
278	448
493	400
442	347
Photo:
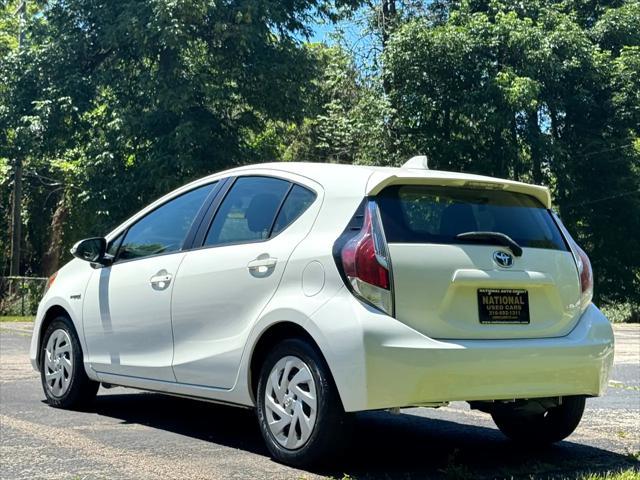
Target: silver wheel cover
58	363
291	402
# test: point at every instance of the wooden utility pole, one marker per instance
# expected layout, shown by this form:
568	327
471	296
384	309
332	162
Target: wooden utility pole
16	213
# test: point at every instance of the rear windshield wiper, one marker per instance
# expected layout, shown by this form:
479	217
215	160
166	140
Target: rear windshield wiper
493	237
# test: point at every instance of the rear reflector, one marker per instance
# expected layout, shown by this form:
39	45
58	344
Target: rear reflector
50	281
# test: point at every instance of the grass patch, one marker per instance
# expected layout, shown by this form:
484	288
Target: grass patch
625	312
615	384
16	318
630	474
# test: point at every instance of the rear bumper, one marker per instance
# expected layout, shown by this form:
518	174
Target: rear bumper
422	371
405	368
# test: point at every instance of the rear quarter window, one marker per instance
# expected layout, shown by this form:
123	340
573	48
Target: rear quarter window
298	200
432	214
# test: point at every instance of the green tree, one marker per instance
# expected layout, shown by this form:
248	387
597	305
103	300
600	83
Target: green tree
537	91
111	105
115	103
346	117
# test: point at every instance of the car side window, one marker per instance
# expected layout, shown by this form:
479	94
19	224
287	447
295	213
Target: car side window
248	211
165	228
298	200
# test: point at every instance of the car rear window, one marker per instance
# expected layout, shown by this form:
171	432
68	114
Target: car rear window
432	214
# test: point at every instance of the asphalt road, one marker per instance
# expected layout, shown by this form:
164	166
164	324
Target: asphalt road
143	435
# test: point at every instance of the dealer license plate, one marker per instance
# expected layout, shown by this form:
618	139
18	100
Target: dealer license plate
503	305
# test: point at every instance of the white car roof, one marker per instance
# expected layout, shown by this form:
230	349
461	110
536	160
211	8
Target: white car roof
360	180
377	178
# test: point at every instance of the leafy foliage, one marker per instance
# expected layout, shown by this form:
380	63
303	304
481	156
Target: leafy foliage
116	103
544	92
112	104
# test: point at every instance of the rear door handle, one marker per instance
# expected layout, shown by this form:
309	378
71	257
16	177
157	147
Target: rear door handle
160	280
262	264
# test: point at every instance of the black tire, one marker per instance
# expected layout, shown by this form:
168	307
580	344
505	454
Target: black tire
81	390
332	429
556	424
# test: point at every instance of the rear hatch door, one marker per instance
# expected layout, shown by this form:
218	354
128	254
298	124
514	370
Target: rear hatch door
452	288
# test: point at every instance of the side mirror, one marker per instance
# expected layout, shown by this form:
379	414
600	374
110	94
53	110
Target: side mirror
91	250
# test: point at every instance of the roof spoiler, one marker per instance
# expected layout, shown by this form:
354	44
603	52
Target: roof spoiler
419	176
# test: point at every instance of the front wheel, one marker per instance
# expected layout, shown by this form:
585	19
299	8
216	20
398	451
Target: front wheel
300	414
551	426
64	381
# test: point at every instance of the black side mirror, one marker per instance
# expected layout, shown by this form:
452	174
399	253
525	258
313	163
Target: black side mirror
91	250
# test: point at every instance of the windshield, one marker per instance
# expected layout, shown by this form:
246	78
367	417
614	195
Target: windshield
433	214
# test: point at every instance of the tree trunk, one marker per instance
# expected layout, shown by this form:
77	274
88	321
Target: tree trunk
446	122
16	219
500	150
535	140
51	258
388	16
514	138
559	160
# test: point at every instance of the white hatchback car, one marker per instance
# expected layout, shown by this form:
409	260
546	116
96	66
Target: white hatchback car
311	291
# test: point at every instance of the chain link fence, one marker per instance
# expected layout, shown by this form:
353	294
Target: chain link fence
20	295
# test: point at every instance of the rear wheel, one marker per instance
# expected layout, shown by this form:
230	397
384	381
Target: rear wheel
300	414
64	380
551	426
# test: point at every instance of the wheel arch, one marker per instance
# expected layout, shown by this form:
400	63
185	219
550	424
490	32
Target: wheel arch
269	338
53	312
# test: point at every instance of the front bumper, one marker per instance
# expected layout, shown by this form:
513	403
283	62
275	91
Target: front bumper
403	368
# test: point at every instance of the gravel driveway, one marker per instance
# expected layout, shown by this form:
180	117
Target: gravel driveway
145	435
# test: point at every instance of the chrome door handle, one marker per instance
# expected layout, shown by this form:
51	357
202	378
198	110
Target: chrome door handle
262	265
160	280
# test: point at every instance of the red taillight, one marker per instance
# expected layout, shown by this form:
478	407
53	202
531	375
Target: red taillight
365	261
585	271
359	257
